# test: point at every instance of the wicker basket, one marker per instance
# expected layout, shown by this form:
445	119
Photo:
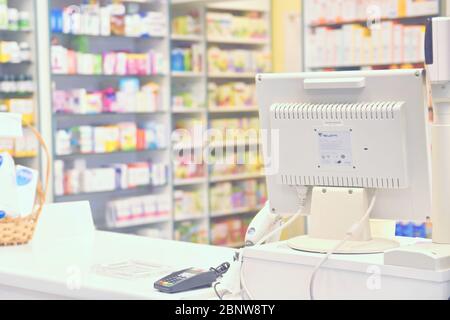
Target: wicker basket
19	231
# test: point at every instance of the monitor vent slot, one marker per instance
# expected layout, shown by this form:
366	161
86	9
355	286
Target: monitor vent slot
334	181
336	112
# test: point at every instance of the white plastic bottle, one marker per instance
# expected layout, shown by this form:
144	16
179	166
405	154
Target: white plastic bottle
8	188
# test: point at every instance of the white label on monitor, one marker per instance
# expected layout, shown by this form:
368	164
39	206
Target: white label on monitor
335	148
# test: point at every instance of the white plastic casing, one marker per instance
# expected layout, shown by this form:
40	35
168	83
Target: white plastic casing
340	143
439	71
399	147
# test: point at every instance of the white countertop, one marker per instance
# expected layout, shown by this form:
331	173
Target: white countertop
62	264
281	252
61	268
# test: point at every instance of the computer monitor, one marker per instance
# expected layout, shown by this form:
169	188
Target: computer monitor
346	135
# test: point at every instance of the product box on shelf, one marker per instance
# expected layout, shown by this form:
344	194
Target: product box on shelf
245	196
138	210
238	61
323	11
229	232
188	24
67	61
231	94
98	180
186	168
191	231
125	100
23	106
189	204
249	26
125	136
390	43
115	19
21	147
13	19
187	59
117	176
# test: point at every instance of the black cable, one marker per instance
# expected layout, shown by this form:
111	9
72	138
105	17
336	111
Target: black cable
220	271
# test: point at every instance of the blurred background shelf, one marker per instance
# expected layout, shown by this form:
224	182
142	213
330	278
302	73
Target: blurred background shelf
19	69
232	109
236	177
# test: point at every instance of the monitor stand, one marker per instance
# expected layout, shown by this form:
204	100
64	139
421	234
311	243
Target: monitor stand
333	212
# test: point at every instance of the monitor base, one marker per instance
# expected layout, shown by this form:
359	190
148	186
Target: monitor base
315	245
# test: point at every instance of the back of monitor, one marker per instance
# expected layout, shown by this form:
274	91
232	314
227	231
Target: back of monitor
347	129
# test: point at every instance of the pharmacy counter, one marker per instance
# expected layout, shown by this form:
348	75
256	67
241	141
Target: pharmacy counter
352	277
64	258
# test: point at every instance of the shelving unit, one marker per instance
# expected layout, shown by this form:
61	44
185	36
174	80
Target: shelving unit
183	96
198	84
19	66
259	10
155	45
369	41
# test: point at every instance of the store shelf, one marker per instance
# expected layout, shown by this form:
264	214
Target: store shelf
17	94
236	177
106	154
234	112
80	75
140	222
236	6
234	212
186	38
14	66
25	156
337	24
112	36
375	65
16	63
190	218
107	116
320	33
233	109
66	82
237	41
16	31
186	74
189	182
188	110
114	193
232	75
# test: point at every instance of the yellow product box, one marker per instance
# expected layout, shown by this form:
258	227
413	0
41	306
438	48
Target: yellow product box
25	107
128	136
402	8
